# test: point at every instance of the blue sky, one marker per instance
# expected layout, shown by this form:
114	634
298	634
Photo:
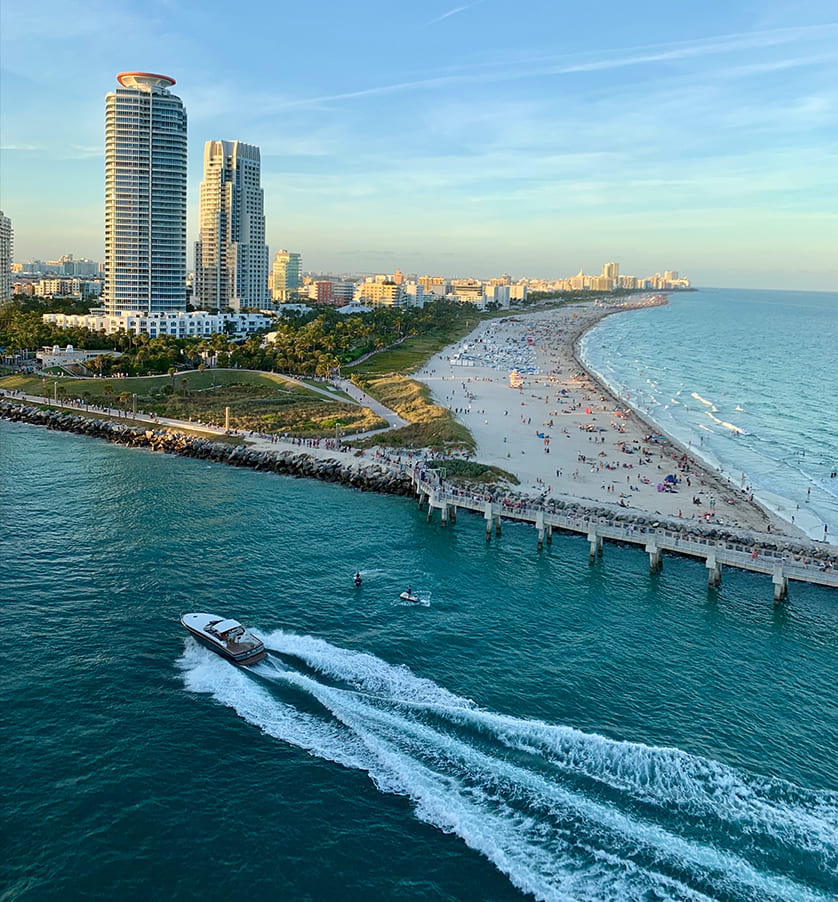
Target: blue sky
458	138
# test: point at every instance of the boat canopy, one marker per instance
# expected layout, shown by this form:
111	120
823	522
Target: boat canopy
224	626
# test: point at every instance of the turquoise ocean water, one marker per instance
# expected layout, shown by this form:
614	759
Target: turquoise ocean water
749	379
542	728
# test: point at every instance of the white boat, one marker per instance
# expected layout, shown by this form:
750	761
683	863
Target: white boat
408	596
226	637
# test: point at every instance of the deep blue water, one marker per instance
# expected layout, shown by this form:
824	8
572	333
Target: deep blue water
749	379
543	726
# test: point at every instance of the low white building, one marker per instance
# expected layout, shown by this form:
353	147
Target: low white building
178	324
55	355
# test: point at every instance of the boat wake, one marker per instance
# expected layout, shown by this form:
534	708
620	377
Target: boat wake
564	814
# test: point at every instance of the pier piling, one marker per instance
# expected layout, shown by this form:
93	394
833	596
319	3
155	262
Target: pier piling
595	542
655	556
714	570
539	525
730	551
781	583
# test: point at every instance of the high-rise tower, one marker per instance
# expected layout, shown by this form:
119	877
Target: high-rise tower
145	196
231	257
5	257
286	272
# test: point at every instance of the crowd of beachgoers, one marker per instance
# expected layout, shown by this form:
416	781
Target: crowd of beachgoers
533	409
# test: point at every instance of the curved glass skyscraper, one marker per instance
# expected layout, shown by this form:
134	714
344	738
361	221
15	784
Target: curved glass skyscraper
145	196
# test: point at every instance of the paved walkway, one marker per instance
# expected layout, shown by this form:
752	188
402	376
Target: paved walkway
260	441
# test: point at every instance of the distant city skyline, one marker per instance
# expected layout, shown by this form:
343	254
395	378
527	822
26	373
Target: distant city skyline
470	142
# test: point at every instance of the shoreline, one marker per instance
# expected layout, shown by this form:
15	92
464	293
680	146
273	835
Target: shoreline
606	451
703	463
776	509
592	411
380	475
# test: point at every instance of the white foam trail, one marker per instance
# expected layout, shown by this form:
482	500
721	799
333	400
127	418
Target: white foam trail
564	814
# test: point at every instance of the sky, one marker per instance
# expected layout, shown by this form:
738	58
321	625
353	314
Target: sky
457	138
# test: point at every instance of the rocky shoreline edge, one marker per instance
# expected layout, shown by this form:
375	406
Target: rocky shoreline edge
366	476
371	476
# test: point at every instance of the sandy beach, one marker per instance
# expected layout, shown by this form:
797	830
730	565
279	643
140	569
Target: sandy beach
564	435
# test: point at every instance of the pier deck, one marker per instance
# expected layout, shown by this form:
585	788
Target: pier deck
752	552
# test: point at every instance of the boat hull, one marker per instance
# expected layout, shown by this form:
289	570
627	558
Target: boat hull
248	650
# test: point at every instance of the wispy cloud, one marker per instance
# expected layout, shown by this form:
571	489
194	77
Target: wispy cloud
453	12
498	71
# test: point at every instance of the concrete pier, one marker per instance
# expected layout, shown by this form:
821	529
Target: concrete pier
755	552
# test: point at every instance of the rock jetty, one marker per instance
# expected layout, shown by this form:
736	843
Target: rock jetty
366	475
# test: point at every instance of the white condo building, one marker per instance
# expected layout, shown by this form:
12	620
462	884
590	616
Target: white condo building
5	257
231	257
145	196
178	323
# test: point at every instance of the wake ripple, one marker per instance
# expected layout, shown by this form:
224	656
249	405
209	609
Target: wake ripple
564	814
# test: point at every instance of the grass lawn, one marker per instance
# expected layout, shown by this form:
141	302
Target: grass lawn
412	352
262	402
